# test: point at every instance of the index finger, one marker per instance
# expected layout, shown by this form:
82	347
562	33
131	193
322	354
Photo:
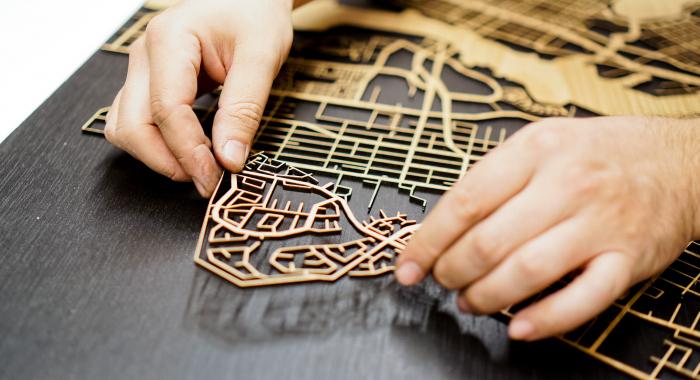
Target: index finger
175	59
498	177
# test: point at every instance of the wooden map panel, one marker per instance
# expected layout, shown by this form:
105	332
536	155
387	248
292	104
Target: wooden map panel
275	224
614	35
665	309
469	79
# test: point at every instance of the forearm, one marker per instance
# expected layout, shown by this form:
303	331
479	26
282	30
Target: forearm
683	138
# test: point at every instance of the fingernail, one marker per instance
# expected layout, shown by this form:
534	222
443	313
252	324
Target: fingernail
236	151
199	186
463	305
520	329
408	273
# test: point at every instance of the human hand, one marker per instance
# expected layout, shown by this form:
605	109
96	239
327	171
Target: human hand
188	50
614	196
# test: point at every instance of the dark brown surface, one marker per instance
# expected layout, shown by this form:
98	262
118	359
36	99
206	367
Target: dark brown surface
97	281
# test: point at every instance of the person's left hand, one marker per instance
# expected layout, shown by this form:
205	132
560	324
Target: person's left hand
614	196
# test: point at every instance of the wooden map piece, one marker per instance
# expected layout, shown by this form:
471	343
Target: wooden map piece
627	35
244	217
572	79
127	35
99	117
204	107
668	308
421	146
136	26
569	31
425	141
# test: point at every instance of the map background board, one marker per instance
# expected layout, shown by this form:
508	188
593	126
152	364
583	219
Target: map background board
97	280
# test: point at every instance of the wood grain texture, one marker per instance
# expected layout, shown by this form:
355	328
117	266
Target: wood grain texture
97	281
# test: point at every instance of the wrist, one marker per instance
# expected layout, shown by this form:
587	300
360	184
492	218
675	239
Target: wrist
692	129
682	137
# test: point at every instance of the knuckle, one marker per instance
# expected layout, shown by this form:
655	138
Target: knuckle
606	286
247	115
161	109
178	175
125	140
609	285
476	297
587	179
122	132
546	137
444	275
483	249
109	129
173	170
109	134
465	204
158	27
529	266
271	60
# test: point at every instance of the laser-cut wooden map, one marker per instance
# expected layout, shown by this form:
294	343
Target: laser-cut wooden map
623	37
666	308
246	214
330	112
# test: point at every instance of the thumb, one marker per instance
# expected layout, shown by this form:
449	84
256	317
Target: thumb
241	105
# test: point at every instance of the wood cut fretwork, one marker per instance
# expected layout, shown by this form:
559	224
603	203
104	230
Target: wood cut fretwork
96	123
136	26
129	33
249	232
664	310
625	37
426	136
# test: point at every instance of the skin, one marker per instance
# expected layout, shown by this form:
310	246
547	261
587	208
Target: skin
189	50
615	197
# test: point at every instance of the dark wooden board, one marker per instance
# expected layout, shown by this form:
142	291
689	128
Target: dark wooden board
97	281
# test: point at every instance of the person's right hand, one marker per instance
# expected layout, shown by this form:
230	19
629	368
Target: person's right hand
188	50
